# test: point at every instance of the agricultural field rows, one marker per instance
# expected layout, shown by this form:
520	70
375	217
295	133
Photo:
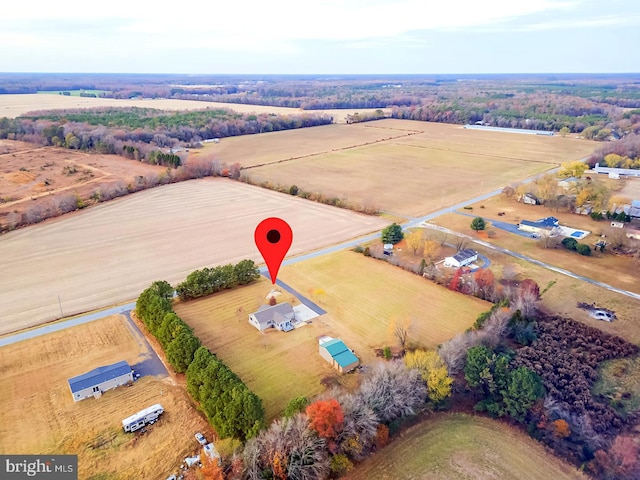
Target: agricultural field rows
113	251
277	147
430	166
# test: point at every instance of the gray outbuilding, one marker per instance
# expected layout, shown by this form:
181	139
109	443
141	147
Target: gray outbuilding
99	380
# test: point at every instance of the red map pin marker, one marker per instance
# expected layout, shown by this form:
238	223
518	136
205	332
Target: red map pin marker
273	238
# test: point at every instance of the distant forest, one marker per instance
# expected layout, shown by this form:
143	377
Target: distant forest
144	134
600	107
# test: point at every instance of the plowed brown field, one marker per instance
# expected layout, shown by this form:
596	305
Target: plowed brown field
113	251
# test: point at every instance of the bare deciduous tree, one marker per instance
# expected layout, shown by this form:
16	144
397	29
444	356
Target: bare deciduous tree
288	449
459	242
400	329
392	390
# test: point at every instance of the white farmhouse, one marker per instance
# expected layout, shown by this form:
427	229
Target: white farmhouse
279	316
461	259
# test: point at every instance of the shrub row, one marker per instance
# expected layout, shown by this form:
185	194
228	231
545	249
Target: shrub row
368	209
571	244
232	409
200	283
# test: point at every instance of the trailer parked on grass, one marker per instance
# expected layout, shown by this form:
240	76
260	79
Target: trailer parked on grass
142	418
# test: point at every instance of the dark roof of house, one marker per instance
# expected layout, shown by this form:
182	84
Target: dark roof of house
535	224
465	254
276	313
545	223
339	352
99	375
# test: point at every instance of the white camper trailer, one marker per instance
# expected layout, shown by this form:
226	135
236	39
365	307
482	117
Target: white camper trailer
142	418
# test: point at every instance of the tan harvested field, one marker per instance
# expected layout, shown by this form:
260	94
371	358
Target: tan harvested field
113	251
38	414
31	175
631	188
15	105
462	447
361	296
276	147
417	173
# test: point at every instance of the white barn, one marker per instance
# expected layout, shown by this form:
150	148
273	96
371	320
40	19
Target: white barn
99	380
461	259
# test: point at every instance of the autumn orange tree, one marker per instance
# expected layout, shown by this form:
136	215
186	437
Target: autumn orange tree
326	418
210	469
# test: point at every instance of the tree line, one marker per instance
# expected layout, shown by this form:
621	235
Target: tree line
231	407
200	283
136	132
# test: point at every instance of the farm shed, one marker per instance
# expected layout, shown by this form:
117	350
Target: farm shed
631	172
547	226
461	259
279	316
99	380
634	211
529	199
334	351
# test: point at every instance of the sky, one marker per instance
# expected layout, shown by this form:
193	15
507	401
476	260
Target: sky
321	36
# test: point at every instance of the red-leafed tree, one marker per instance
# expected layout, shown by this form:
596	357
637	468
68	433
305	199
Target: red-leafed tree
485	281
210	469
621	461
326	418
456	282
529	287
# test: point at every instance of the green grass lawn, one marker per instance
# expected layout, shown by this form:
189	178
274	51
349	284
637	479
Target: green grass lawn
620	382
361	296
459	446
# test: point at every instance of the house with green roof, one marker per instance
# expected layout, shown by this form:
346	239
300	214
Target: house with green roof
334	351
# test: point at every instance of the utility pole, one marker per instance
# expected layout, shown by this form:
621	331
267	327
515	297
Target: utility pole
60	303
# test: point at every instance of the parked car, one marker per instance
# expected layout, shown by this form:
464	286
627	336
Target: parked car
602	315
200	438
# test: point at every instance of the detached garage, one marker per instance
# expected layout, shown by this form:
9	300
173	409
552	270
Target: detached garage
99	380
334	351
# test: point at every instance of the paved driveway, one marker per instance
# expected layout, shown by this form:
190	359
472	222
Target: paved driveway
507	227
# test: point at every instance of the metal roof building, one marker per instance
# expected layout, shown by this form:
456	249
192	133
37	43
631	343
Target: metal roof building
99	380
334	351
